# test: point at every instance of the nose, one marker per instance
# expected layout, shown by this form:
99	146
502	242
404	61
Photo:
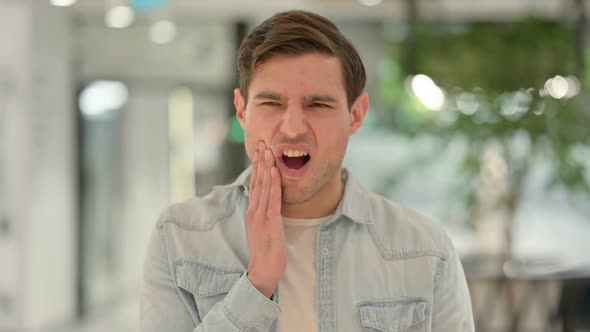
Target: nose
293	123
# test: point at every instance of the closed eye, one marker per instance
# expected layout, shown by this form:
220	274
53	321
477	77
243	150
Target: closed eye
271	103
320	105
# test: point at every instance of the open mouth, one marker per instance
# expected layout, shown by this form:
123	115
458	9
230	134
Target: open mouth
295	159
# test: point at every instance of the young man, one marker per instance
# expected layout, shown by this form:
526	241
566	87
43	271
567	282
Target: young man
296	243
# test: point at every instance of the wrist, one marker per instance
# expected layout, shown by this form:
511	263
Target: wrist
265	288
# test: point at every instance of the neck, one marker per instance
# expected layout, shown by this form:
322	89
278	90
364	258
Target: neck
322	204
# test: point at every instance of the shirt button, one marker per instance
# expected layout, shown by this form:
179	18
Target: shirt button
325	251
325	313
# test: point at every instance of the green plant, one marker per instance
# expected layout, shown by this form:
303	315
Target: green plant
495	79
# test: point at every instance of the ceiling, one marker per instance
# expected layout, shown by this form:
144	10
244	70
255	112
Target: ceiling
352	9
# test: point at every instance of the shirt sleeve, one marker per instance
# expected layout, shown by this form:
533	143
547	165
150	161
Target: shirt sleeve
452	310
164	307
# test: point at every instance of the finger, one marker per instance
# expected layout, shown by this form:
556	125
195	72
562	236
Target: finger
254	172
252	197
254	192
261	148
259	175
274	202
265	190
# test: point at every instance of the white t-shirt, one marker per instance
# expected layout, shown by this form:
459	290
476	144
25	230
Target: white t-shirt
297	288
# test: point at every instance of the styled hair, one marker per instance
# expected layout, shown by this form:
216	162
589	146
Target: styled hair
298	32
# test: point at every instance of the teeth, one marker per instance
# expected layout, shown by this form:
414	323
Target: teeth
294	153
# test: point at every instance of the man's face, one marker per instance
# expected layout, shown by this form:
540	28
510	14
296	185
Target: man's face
297	105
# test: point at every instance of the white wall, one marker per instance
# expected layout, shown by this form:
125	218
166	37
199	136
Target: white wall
14	74
200	56
39	167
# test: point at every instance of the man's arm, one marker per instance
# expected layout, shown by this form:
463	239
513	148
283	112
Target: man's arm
165	308
452	309
247	305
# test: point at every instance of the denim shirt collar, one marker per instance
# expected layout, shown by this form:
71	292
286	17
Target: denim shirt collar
355	202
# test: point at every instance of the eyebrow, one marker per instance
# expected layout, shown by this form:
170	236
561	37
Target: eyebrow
269	95
319	98
307	99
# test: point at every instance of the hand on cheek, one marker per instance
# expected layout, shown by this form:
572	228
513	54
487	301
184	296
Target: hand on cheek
266	236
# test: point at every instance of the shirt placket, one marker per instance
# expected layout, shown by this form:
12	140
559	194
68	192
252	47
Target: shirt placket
326	310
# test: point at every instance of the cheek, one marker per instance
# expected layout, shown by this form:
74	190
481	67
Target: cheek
255	130
332	133
251	144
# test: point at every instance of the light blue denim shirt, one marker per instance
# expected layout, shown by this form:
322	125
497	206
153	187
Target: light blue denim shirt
380	267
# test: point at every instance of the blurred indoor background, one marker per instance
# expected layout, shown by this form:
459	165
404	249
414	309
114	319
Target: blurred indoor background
112	109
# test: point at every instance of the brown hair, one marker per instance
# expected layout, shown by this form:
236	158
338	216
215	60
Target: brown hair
298	32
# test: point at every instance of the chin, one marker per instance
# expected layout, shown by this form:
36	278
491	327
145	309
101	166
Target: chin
294	196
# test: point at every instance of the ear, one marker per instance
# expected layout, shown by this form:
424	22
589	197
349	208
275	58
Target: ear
358	112
240	105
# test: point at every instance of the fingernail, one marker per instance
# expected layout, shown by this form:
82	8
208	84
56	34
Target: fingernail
267	154
261	146
255	156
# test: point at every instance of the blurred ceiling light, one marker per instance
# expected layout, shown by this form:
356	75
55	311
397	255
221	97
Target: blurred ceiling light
573	86
428	92
162	32
467	103
547	86
102	97
62	3
557	87
370	3
119	17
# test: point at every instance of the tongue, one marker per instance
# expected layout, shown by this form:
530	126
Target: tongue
294	162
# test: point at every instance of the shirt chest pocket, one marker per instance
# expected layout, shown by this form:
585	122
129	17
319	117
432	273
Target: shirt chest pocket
208	284
393	315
